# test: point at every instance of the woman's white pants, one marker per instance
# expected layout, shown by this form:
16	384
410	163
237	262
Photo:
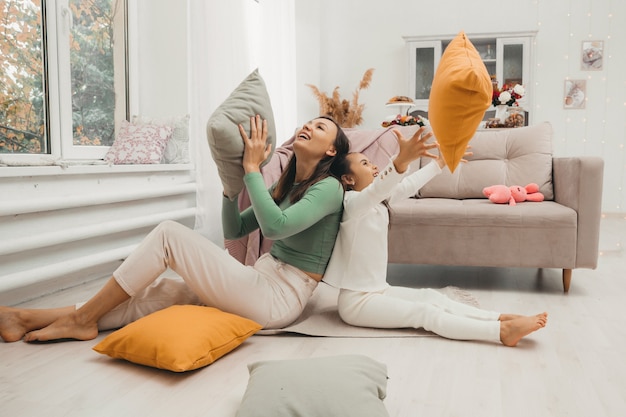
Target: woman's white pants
271	292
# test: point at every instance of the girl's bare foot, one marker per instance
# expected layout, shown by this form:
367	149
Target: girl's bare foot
67	327
512	331
507	317
12	326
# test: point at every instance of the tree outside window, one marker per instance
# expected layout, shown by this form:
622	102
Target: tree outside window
22	99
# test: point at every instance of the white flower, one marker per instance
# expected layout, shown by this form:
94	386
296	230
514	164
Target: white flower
504	97
519	89
423	120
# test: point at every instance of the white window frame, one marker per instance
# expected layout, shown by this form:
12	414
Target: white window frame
58	79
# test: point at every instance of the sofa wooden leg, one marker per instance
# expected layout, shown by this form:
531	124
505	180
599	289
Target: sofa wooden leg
567	279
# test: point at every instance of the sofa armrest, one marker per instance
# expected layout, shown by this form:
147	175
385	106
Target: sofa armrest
578	185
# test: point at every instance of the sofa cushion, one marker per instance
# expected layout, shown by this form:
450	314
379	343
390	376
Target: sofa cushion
517	156
476	232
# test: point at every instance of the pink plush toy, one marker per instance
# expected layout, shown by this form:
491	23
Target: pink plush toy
513	194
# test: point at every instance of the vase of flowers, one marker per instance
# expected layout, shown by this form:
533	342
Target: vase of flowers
506	97
501	112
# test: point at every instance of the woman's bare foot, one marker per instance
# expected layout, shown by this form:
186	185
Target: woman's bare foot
12	327
16	322
70	326
512	331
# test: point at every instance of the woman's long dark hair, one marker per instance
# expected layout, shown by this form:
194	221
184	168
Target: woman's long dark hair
286	186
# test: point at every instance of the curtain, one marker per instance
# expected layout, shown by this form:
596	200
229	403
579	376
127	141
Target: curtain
226	41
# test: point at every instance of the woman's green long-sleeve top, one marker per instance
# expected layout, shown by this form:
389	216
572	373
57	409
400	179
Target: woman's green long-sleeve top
304	233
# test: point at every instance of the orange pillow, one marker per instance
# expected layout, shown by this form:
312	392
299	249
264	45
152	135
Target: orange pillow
179	338
460	95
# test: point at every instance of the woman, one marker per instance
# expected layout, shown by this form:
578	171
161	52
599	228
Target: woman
300	212
359	262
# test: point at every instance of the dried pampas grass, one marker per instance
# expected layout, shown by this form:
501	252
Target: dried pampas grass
346	113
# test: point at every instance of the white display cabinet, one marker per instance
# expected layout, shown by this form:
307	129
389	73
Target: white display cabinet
507	57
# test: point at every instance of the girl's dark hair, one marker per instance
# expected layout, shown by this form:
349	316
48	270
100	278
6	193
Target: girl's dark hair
286	186
340	167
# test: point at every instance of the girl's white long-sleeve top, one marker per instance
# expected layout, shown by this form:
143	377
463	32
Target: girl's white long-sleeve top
359	258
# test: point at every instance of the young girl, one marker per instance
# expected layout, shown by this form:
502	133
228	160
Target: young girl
301	213
358	265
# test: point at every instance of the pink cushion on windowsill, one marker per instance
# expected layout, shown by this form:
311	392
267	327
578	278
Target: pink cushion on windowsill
139	144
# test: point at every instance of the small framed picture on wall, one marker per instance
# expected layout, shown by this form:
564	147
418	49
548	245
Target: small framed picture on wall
591	55
575	95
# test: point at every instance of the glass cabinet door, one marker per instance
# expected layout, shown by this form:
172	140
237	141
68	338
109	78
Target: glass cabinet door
424	72
488	52
512	64
424	57
514	67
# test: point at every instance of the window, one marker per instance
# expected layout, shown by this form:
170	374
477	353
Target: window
63	76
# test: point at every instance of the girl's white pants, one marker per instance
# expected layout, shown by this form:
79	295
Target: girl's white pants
400	307
271	292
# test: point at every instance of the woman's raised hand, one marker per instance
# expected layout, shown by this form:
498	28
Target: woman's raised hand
413	148
256	148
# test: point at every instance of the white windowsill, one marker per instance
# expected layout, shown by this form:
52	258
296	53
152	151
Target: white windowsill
77	169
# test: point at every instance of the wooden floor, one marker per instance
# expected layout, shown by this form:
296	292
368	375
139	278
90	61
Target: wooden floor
575	367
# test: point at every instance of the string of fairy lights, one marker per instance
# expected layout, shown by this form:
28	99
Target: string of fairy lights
607	140
604	77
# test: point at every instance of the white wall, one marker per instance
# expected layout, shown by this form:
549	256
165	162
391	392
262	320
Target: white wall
355	35
160	58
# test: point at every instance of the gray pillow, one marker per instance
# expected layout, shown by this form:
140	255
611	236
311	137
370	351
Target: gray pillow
248	99
345	385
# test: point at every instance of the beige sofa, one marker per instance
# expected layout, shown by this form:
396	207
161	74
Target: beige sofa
466	229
